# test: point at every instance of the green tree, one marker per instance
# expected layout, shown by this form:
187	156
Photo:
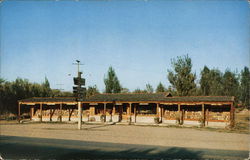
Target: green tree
204	82
112	84
125	90
11	92
46	88
215	83
160	88
92	90
245	87
138	90
149	88
182	79
230	84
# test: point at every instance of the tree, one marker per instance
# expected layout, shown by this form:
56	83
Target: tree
92	90
149	88
215	83
11	92
125	90
160	88
230	84
112	84
245	87
138	90
182	79
204	82
46	88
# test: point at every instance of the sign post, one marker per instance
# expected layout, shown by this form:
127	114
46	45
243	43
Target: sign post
79	115
79	92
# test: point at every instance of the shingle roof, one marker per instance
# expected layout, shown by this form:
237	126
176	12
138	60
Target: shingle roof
137	97
49	99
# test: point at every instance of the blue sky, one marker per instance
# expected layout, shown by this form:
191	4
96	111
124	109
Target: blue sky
137	38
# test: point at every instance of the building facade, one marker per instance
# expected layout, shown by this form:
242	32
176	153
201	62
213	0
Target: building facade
133	108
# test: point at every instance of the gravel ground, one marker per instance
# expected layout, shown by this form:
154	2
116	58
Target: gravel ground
129	134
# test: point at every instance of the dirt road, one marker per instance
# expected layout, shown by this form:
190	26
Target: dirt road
119	135
160	136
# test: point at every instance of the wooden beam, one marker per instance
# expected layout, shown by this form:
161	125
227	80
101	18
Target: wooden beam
19	112
113	110
161	113
50	114
207	115
157	110
232	115
182	116
130	111
31	112
70	113
179	112
104	110
135	105
93	104
60	114
41	112
202	114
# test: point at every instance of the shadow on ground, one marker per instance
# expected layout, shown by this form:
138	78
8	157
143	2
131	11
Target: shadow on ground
41	148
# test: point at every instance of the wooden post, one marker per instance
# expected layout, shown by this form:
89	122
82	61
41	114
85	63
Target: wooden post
104	112
60	114
113	111
19	112
79	115
161	112
232	110
157	110
127	109
50	114
135	111
207	115
182	116
41	112
179	113
130	110
203	115
69	114
31	112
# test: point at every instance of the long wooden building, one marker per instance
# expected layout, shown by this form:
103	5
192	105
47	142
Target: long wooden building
214	111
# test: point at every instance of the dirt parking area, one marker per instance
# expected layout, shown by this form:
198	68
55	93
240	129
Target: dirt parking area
129	134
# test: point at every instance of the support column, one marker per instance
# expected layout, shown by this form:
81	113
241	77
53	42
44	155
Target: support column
19	112
182	116
50	114
157	110
113	110
207	116
130	110
30	113
69	114
104	112
202	115
41	112
60	114
179	113
135	105
79	115
232	114
161	112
